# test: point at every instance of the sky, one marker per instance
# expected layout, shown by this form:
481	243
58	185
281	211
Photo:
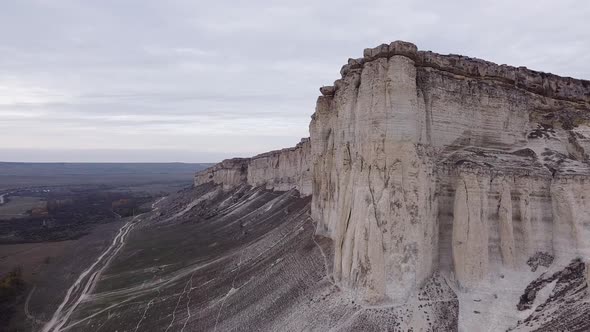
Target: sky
200	81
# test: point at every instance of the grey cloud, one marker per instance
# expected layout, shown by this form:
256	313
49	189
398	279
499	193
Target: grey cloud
220	78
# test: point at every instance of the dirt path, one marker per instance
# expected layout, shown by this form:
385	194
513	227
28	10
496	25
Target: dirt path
87	280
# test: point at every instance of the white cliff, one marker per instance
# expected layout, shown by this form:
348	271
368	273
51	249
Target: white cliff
419	162
279	170
409	144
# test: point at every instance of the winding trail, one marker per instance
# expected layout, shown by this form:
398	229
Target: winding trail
28	313
87	280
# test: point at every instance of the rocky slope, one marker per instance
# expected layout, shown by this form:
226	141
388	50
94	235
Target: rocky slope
421	165
240	259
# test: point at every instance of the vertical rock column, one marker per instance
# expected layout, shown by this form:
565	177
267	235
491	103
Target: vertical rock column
525	215
470	228
505	223
374	187
571	216
324	184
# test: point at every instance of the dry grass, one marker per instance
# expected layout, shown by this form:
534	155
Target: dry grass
17	207
30	256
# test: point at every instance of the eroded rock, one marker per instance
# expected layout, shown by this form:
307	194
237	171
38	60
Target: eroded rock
419	162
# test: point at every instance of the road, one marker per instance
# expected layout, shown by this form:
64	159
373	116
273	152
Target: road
87	280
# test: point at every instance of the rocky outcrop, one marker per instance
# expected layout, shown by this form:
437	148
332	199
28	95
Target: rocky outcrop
425	161
566	296
420	162
230	173
279	170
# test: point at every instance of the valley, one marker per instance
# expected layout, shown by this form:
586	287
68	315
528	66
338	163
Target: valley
52	231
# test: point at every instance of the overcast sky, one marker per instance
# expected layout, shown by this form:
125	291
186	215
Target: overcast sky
198	81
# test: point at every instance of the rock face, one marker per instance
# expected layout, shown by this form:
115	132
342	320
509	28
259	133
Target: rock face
230	173
279	170
424	162
419	162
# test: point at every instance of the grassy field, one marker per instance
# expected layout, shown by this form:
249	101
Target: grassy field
21	175
31	257
18	206
77	210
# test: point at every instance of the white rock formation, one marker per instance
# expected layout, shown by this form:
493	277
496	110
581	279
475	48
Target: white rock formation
279	170
419	162
229	173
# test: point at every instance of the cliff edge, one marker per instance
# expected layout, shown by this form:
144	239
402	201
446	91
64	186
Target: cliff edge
279	170
420	163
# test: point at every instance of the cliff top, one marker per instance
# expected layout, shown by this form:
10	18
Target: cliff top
546	84
237	162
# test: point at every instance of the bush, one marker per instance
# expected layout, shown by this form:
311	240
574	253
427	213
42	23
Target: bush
12	282
11	286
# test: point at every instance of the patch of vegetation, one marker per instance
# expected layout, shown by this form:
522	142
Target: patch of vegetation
71	213
19	206
12	287
128	207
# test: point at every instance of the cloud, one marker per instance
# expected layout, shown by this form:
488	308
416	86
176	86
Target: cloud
226	78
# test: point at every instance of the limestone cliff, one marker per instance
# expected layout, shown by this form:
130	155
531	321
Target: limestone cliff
424	161
419	162
279	170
